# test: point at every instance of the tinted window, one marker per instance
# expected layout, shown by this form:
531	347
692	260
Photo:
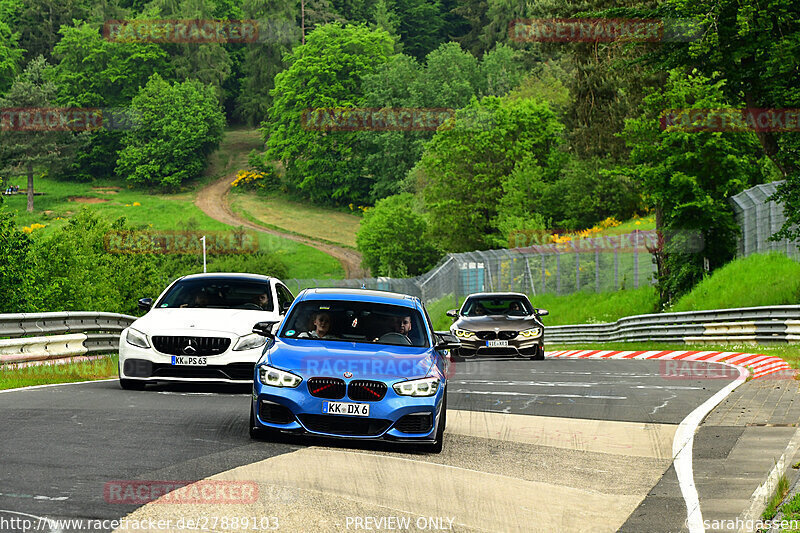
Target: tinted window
505	305
219	294
356	322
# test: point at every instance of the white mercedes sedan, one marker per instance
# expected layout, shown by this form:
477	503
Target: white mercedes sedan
201	330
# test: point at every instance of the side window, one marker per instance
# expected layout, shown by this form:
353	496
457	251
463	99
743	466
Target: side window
284	297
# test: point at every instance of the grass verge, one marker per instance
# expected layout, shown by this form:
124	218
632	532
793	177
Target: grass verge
66	373
791	512
781	490
280	212
760	279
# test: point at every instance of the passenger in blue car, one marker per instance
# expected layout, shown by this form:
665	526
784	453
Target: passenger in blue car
321	326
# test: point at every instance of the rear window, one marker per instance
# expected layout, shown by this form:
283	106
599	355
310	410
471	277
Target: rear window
367	322
219	294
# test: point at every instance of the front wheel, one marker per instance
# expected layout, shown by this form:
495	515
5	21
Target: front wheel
539	356
436	446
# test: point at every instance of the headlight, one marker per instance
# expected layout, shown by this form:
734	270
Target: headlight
278	378
463	333
248	342
533	332
417	387
137	338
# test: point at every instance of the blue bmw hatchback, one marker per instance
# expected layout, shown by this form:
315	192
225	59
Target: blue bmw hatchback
355	364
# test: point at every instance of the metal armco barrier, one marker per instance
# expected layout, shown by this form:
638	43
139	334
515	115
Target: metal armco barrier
57	336
746	325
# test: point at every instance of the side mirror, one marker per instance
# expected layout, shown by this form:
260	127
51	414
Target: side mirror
542	312
447	341
453	313
264	329
145	304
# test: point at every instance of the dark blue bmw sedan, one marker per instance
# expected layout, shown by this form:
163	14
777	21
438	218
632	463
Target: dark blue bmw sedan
355	364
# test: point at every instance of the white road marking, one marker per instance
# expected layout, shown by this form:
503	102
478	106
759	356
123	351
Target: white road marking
682	451
32	387
514	393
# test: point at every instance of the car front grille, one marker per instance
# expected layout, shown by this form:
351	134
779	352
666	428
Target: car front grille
184	345
331	388
344	425
233	371
415	423
486	335
507	335
366	391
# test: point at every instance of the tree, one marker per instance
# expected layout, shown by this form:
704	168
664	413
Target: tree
10	55
263	60
462	172
392	240
687	177
178	126
324	73
15	271
754	47
97	73
38	22
30	143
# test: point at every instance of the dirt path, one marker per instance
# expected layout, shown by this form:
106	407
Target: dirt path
213	201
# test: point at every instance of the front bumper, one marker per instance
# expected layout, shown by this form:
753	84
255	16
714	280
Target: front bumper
149	365
394	418
520	346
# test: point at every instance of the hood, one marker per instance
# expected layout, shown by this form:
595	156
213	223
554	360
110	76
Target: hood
236	322
309	358
502	322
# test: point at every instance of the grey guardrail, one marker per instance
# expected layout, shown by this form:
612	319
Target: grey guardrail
101	329
777	323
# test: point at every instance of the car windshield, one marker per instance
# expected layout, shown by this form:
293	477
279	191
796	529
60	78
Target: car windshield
218	293
505	305
356	322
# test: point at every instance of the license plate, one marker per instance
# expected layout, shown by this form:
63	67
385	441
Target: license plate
345	408
496	344
188	360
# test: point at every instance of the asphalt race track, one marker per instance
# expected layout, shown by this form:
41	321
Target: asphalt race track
560	444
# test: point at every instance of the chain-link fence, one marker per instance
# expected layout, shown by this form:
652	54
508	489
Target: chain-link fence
599	265
759	219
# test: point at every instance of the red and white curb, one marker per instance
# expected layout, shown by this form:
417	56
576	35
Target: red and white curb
758	365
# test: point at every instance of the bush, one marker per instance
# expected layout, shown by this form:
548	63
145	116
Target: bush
392	239
177	127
